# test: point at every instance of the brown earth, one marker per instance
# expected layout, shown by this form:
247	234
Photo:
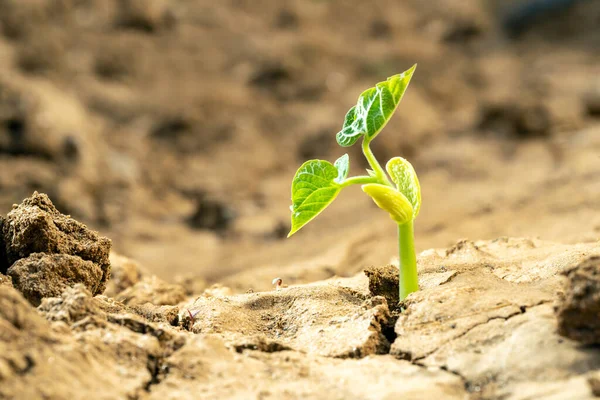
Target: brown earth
174	128
481	327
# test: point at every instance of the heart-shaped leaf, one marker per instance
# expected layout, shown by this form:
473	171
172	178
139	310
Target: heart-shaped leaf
374	109
404	176
314	187
390	200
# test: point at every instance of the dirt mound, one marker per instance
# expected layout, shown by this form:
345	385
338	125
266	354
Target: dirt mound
48	251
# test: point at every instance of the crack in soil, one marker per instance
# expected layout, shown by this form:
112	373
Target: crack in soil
157	367
472	388
522	310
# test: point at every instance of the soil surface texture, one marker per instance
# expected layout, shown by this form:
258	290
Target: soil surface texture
174	128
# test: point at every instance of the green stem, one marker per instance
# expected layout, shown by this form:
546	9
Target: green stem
408	260
375	166
359	180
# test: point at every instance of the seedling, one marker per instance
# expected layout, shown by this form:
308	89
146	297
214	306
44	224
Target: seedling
317	182
193	315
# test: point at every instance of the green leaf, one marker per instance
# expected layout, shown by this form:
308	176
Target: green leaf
314	187
374	109
390	200
342	165
404	176
351	131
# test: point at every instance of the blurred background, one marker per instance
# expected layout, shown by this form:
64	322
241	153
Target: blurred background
175	126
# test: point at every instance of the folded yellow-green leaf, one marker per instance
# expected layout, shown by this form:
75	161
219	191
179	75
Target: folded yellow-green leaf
390	200
404	176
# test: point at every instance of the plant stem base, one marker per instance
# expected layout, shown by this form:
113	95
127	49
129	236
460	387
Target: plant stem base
408	279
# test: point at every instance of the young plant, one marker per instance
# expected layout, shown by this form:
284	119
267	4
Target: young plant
317	182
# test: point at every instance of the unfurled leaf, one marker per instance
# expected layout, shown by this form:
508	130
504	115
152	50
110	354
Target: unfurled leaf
342	165
374	109
404	176
390	200
314	187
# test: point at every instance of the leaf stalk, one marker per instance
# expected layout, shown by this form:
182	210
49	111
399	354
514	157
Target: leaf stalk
375	166
359	180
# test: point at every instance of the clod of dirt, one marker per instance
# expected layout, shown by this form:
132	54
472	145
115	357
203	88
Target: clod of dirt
579	311
328	318
383	281
154	291
48	275
36	226
125	273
